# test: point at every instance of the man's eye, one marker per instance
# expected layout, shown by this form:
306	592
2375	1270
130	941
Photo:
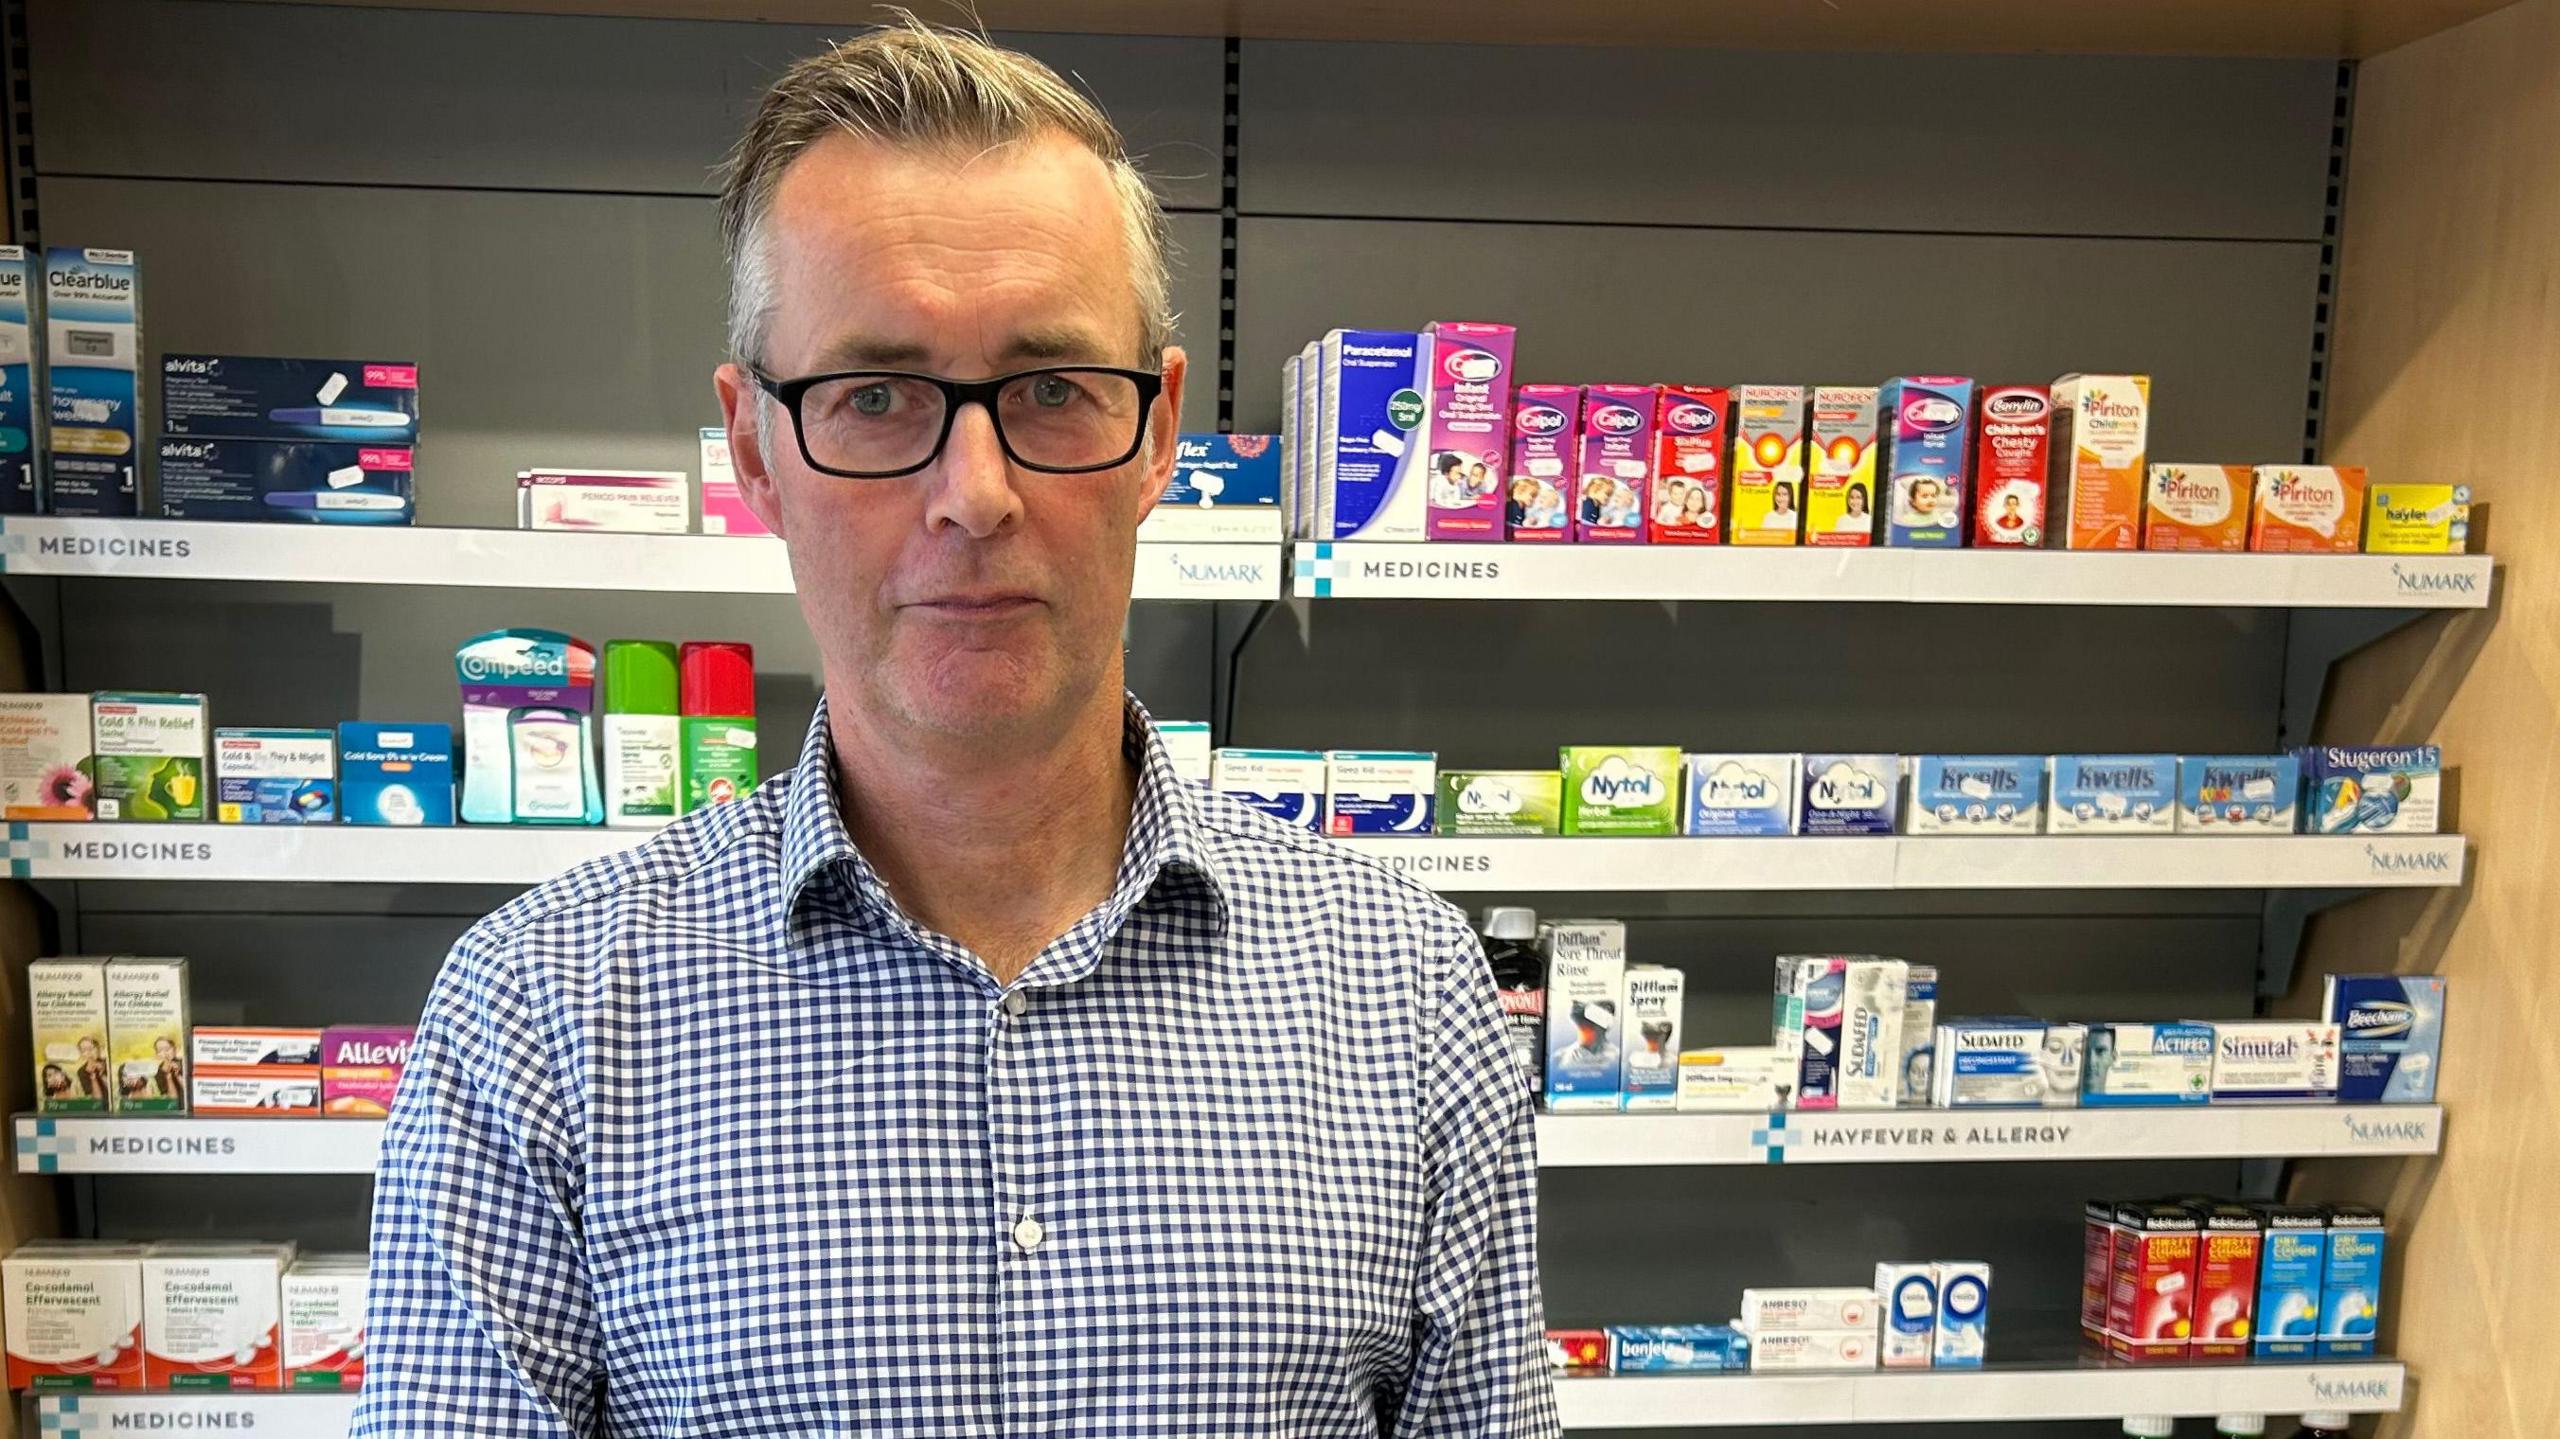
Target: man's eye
1052	391
871	400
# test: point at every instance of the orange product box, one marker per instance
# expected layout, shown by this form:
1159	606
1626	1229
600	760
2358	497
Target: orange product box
1684	501
2196	507
2101	430
1578	1351
276	1091
2307	510
73	1315
210	1315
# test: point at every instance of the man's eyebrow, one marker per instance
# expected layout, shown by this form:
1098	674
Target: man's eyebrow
1061	345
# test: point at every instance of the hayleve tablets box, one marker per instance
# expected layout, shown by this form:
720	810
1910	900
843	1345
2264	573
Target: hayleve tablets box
1369	474
1743	794
93	348
1378	791
2111	794
1976	794
2131	1065
2393	789
2238	794
1225	488
1286	784
1501	802
2417	520
1850	793
314	482
250	397
2390	1036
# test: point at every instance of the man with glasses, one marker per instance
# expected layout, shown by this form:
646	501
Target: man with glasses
975	1077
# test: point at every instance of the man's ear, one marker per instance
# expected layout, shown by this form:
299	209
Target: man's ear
1164	431
742	406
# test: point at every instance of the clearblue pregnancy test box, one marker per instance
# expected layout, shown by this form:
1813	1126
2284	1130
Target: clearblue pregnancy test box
18	374
2238	794
93	406
253	397
1850	793
1379	791
2390	1036
2386	789
1286	784
1976	794
1743	794
1369	457
310	482
2111	794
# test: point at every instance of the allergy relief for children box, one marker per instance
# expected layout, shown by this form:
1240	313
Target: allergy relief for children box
2393	789
630	502
72	1312
1650	1078
2238	794
2008	1062
1743	1079
1923	423
275	776
1369	460
2390	1035
1286	784
1907	1298
67	1009
1848	1047
2293	1263
2013	449
1768	464
2351	1284
2275	1061
209	1315
2417	520
1586	984
2101	432
2307	510
1976	794
148	750
1501	802
1466	422
360	1068
1379	791
1732	794
2111	794
20	405
1546	461
2228	1250
397	774
1684	504
2132	1064
1850	793
93	348
2197	508
1624	790
306	482
250	397
1840	467
44	757
1225	488
147	1034
2151	1282
1617	463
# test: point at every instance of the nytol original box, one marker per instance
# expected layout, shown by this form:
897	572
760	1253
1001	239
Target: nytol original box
1378	791
1743	794
1225	489
2390	1036
93	348
21	407
2384	789
2111	794
253	397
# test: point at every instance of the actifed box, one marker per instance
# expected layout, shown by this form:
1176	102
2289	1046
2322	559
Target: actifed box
252	397
1907	1301
314	482
2307	510
1743	794
1849	1046
2228	1257
1743	1079
1923	424
2417	520
2276	1061
2148	1064
629	502
2008	1062
2390	1035
1225	489
1466	424
93	410
1617	462
1501	802
1286	784
1963	1335
1976	794
1840	467
1379	791
1851	793
2151	1284
395	774
1650	1078
21	414
2101	436
1546	461
1768	465
2387	789
148	753
275	776
724	510
2012	458
2351	1285
1621	789
2238	794
2198	508
44	757
1684	498
2293	1264
2111	794
1586	984
1369	459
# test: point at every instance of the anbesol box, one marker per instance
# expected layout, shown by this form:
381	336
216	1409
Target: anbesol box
210	1315
72	1312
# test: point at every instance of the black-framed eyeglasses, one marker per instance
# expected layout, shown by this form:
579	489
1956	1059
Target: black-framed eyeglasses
880	424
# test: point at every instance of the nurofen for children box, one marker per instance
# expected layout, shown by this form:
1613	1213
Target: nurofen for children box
44	757
1650	1078
1617	460
2390	1036
1923	424
1621	789
2145	1064
2197	508
2351	1284
148	750
1685	504
1850	793
1586	985
1546	460
1848	1047
1506	801
209	1315
2293	1262
1466	420
2101	435
1379	791
2111	794
1840	467
1976	794
2151	1282
275	776
93	349
2386	789
2238	794
2013	449
2275	1061
1369	408
1743	794
72	1312
2307	510
1286	784
1768	465
2417	520
67	1008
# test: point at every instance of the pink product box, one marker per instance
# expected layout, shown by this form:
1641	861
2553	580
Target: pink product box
360	1068
1466	421
1546	425
1617	460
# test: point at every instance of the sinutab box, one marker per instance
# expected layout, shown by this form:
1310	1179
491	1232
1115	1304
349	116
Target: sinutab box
2380	789
252	397
2277	1061
2151	1282
2390	1036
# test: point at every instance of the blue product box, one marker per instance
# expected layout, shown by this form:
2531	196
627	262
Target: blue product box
1850	793
1743	794
2293	1264
18	424
2351	1286
2111	794
1677	1349
275	776
2390	1036
1225	489
1976	794
1379	791
1924	424
1286	784
2133	1065
395	774
2393	789
310	482
251	397
1369	483
2238	794
93	404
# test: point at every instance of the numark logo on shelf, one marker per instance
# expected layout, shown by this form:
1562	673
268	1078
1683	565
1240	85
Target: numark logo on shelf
1226	569
2411	579
2339	1389
2387	1131
2416	861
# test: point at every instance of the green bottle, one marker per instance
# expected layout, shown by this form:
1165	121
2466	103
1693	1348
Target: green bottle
642	736
719	722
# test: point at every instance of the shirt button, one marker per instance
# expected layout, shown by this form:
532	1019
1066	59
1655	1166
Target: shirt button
1015	1003
1029	1233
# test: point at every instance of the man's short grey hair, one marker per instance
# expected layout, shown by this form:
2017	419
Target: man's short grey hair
911	84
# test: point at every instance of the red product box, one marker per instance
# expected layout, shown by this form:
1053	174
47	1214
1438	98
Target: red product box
2013	450
1684	500
2226	1307
2097	1266
2151	1288
1577	1351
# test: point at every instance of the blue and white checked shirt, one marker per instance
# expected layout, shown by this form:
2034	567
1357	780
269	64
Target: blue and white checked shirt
710	1139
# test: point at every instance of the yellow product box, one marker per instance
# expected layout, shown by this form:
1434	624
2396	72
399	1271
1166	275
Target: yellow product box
1768	464
147	1029
67	1002
2417	520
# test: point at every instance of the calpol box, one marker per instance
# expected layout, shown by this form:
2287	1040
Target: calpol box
1546	459
1768	465
2012	459
2381	789
2151	1283
2307	510
1466	418
1924	423
1840	467
1368	453
360	1068
2197	508
2390	1036
2101	435
1685	503
1617	460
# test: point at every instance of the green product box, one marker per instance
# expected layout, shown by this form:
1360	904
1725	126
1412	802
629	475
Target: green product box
1621	789
1501	801
149	752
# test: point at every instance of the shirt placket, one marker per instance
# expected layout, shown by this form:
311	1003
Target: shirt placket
1021	1230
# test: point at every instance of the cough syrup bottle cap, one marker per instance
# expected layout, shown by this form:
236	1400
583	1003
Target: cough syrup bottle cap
639	677
719	677
1511	922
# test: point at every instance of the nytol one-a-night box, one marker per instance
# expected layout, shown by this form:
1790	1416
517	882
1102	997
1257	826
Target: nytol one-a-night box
1225	488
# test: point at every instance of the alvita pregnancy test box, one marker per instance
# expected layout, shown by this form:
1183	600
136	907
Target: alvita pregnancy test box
1369	460
93	349
1586	984
2390	1036
1617	462
1924	423
1840	467
21	412
303	482
2111	794
1684	501
1466	417
1546	459
252	397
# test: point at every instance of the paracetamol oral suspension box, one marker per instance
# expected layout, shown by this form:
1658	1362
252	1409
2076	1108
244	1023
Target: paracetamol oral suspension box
2201	508
147	1034
44	757
1651	1015
1742	1079
2351	1284
2013	459
1850	793
93	349
2384	789
2101	436
72	1313
2228	1258
1684	499
2390	1035
1976	794
323	1305
1546	462
1617	462
1466	416
2008	1062
1621	789
2111	794
1743	794
2275	1061
2293	1262
210	1316
2417	520
1963	1333
2147	1064
1286	784
275	776
1586	985
1840	467
67	1010
2307	510
1379	791
1501	802
395	774
2151	1284
1796	1311
2238	794
1768	465
21	408
1924	422
255	397
1907	1299
148	750
1369	406
1849	1049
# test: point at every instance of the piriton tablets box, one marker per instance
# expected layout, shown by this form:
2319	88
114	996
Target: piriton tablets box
2197	508
2307	510
2391	1036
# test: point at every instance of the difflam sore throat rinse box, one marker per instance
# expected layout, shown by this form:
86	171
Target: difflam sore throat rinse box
1466	415
1586	987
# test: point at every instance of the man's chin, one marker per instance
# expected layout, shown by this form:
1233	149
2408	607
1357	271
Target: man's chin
981	693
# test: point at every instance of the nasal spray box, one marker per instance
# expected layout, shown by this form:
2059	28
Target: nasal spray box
1650	1079
252	397
1684	504
1976	794
20	407
2238	794
2307	510
2293	1264
2101	435
2351	1285
1369	406
527	756
1907	1295
2390	1036
2386	789
1924	422
304	482
1768	465
93	349
1840	467
1617	460
2012	456
2196	508
1850	793
1546	460
2111	794
1466	417
1586	985
1849	1045
2142	1064
1286	784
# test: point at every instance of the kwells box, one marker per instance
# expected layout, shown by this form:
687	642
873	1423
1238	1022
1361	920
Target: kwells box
2101	434
2151	1283
1768	464
1840	467
1617	459
2196	507
1546	457
2307	510
1686	503
1466	419
2012	454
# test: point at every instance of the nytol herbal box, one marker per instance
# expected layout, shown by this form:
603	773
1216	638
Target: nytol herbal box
2013	454
21	418
1684	502
2238	794
275	776
1840	467
2140	1064
2278	1061
1743	794
1768	464
1617	463
1621	790
2101	436
2391	1036
1369	483
1586	984
1850	793
1976	794
1546	462
1924	422
93	348
1286	784
149	753
1378	791
2111	794
2307	510
2392	789
44	757
2197	508
1466	419
1501	802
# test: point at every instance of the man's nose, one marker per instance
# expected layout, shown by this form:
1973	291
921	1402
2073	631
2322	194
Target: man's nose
973	490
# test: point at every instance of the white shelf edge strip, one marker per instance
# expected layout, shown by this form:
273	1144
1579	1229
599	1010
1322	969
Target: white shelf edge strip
500	854
1349	570
1973	1396
520	559
185	1144
269	1415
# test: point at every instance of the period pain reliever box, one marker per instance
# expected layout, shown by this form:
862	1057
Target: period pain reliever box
1976	794
2111	794
1840	467
1850	793
1650	1079
1466	417
73	1316
2417	520
1684	501
1621	789
2101	436
2238	794
2197	508
1546	462
629	502
210	1316
2390	1036
2392	789
2278	1061
2293	1262
1286	784
1743	794
1907	1299
1964	1315
2013	456
323	1304
275	776
149	753
395	774
1768	465
44	757
1924	422
1586	987
2142	1064
2307	510
93	348
1379	791
147	1030
1501	802
67	1008
1617	463
21	407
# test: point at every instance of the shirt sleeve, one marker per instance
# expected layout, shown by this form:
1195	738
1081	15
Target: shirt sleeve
1480	1366
481	1320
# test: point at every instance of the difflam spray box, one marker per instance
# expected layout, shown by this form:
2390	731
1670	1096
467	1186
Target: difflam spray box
2390	789
20	407
1651	1076
1617	462
93	348
1466	417
1768	464
1924	421
1743	794
2111	794
2101	435
1840	467
1546	461
1850	793
2013	453
1369	406
1684	501
1586	985
2390	1036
